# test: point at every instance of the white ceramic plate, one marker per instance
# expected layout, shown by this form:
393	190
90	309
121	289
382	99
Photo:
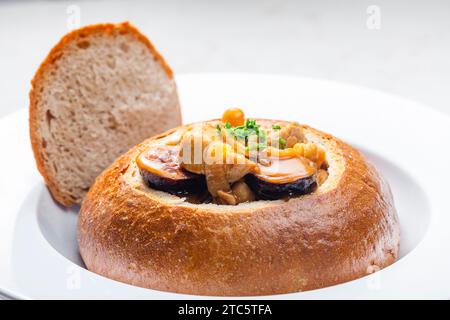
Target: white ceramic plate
408	143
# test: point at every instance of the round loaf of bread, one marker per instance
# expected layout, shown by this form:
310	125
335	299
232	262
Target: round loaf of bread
345	229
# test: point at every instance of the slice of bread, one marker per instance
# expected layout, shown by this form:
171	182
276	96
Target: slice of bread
101	90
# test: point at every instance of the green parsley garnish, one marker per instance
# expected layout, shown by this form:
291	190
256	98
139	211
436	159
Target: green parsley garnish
249	123
282	143
249	129
255	138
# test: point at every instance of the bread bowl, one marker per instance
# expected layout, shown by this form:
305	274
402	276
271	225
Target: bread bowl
340	226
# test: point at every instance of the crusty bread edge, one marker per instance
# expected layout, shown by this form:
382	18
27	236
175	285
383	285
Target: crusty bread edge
114	214
53	55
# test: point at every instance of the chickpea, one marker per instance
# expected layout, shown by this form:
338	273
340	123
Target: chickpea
242	192
234	116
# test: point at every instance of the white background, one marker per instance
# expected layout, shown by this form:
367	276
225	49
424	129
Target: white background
409	55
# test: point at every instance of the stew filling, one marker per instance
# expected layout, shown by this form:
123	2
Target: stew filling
235	160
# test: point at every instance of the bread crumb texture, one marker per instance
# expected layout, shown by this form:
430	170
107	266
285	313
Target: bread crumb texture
101	90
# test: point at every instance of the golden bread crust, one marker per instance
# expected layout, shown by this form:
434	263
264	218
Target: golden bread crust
313	241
